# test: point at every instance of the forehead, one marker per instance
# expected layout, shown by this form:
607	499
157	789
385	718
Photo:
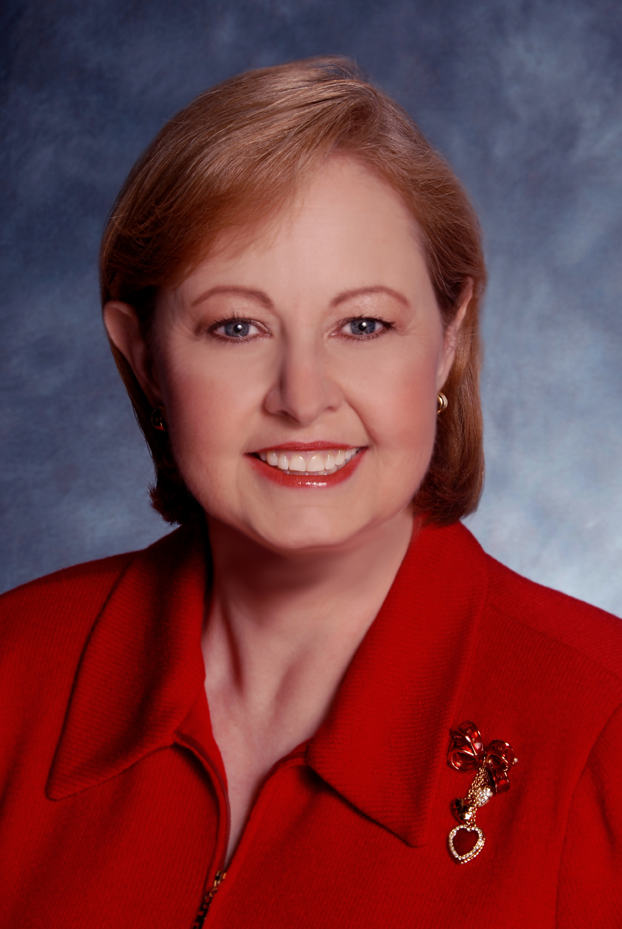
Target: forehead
343	228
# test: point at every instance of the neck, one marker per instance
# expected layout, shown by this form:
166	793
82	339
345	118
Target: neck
280	634
287	608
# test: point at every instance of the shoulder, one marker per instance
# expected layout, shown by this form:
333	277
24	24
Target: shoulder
106	609
570	623
64	592
545	638
44	626
548	648
64	605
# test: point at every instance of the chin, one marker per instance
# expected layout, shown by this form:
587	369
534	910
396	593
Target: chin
295	534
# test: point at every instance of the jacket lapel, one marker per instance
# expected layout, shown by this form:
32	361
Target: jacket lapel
386	737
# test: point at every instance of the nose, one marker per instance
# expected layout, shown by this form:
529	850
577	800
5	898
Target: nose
303	387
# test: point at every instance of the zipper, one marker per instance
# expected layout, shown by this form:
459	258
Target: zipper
219	784
221	874
207	899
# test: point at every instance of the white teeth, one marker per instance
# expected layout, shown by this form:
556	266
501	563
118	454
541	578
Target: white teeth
297	463
326	462
317	463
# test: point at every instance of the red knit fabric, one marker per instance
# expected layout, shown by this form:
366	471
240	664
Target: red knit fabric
113	796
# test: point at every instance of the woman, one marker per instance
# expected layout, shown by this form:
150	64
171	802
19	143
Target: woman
290	710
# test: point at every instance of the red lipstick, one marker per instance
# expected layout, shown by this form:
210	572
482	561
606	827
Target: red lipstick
304	447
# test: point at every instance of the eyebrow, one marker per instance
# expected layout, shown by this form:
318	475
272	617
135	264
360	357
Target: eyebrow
257	295
265	300
364	291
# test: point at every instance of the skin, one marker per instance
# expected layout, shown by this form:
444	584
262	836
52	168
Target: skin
300	573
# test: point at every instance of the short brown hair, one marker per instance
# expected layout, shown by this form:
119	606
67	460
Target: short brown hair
236	154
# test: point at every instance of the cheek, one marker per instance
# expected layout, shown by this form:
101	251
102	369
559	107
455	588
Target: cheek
409	434
399	399
208	409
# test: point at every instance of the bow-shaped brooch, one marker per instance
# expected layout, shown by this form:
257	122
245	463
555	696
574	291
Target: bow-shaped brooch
492	766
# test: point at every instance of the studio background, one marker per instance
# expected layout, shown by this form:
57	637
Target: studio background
525	100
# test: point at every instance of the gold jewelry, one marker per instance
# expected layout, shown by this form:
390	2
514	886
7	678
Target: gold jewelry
491	764
443	403
157	419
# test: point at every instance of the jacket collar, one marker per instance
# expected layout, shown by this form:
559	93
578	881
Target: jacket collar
140	682
142	667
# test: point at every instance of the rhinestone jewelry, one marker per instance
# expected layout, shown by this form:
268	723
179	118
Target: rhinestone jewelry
491	765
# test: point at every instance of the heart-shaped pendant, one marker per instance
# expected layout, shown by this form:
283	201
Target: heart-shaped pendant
474	852
491	765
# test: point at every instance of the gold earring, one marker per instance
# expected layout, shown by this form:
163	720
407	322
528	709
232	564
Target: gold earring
157	419
443	403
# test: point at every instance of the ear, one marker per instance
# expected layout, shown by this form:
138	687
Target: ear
124	332
450	341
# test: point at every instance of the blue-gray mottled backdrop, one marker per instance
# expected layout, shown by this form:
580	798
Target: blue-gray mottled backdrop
524	98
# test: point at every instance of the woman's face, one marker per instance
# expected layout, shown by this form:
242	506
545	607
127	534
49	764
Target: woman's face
299	367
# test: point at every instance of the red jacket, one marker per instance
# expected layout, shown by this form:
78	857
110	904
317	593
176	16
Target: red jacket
113	794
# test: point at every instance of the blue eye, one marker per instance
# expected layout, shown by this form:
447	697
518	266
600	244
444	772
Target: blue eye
237	328
365	326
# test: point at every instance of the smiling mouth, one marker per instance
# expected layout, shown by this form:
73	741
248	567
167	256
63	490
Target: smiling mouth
317	463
